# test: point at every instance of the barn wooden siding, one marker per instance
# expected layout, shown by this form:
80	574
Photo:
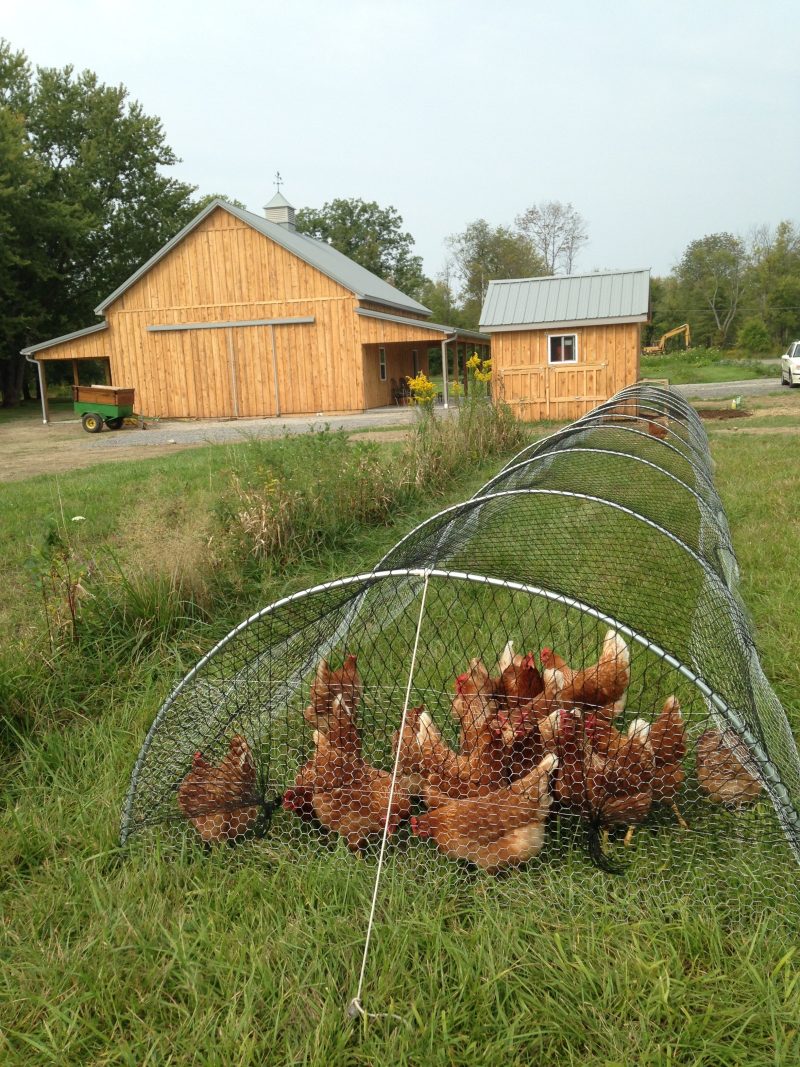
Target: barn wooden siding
92	346
219	274
608	360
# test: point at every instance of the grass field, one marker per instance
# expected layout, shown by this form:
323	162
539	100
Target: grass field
250	956
703	366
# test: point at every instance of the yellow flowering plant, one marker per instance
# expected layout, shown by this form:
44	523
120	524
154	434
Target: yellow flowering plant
423	390
481	369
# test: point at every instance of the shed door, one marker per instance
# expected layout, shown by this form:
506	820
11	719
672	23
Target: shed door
554	392
572	390
524	389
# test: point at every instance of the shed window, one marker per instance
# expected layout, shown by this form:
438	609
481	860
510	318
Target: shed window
562	348
382	363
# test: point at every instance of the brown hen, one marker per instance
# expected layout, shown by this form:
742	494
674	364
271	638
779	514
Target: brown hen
503	829
221	801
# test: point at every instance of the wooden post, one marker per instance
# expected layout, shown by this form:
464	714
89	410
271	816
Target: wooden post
445	396
75	378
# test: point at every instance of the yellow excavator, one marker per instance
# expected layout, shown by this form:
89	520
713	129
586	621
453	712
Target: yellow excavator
659	346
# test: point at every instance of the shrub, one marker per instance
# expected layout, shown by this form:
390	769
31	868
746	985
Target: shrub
753	336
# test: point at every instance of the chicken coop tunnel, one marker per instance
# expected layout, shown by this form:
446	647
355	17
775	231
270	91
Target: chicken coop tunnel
596	569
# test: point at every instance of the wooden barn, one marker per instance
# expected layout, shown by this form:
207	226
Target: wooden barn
241	315
562	345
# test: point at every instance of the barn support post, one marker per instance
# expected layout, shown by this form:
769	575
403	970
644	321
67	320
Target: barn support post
75	378
42	379
445	383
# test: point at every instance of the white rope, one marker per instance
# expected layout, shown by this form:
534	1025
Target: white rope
355	1008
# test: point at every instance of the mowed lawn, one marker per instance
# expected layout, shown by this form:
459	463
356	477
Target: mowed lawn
249	956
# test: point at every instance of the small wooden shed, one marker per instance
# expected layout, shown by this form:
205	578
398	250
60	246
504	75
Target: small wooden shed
561	345
241	315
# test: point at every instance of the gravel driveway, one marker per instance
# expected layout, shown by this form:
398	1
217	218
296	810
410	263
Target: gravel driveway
724	390
228	431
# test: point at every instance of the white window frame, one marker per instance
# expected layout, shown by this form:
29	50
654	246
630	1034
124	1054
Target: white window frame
382	364
562	362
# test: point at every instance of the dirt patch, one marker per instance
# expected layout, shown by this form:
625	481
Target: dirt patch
723	413
29	448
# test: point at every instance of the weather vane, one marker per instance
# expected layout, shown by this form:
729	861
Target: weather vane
278	180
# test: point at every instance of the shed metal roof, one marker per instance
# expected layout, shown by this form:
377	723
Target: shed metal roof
571	300
334	264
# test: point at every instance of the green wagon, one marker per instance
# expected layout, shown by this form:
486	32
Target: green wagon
98	404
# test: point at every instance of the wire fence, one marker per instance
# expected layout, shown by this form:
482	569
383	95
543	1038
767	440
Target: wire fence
580	680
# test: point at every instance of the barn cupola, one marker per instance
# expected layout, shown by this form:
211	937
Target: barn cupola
280	211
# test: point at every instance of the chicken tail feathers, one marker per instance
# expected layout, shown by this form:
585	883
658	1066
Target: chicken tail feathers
597	853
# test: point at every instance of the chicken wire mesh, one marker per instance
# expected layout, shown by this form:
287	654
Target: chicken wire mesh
559	666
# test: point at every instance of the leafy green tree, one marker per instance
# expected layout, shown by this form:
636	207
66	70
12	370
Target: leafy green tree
439	297
774	279
483	253
369	234
665	308
84	200
105	158
29	223
711	279
753	335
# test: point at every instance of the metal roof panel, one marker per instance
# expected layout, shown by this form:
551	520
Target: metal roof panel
318	254
571	298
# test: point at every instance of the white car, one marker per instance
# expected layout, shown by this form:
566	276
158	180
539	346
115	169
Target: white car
790	365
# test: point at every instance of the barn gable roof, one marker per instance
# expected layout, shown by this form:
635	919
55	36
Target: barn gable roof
326	259
604	297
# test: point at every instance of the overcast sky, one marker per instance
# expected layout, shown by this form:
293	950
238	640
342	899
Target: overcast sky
661	122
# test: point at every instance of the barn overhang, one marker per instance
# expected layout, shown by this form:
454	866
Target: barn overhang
435	328
430	332
69	347
31	350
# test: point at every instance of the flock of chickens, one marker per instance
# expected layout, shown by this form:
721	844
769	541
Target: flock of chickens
529	740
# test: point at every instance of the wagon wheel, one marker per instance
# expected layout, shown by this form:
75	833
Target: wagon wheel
115	424
92	422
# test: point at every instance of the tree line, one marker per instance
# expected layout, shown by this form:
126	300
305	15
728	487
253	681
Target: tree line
742	291
86	197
